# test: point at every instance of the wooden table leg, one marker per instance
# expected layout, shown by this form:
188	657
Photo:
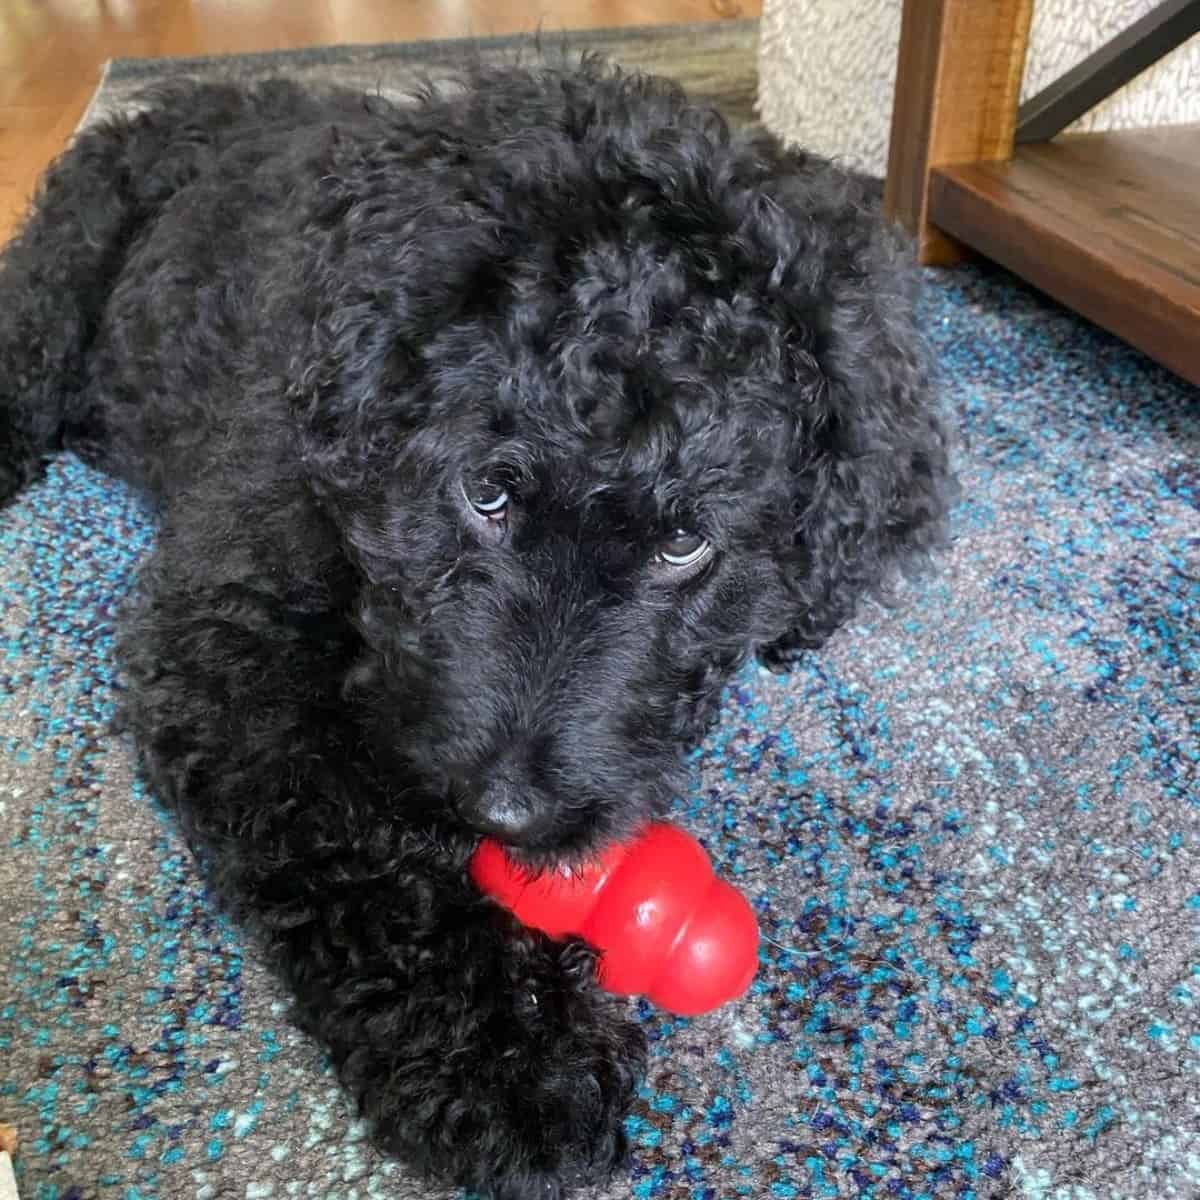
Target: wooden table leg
958	84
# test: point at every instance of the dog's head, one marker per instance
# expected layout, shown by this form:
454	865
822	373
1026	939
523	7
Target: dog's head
605	400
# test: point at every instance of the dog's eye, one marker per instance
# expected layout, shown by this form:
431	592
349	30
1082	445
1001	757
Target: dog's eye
683	549
488	499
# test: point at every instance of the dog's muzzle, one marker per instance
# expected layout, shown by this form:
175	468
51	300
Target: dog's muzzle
505	804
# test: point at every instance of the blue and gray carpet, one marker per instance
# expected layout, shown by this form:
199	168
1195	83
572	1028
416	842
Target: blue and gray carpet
971	829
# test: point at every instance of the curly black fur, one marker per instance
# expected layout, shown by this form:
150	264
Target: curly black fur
311	326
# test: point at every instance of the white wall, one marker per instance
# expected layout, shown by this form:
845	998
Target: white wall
827	69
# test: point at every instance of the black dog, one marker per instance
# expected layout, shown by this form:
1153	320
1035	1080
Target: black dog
490	435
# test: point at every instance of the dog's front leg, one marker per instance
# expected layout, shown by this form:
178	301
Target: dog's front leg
482	1052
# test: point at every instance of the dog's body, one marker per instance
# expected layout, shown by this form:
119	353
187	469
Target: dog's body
490	436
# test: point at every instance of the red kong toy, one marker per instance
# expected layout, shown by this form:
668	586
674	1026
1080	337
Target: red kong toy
666	926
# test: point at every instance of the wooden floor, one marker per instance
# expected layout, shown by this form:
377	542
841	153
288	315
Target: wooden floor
52	51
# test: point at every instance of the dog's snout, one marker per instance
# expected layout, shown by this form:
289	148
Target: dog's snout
505	803
505	817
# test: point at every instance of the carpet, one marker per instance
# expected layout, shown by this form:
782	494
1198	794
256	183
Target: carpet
969	828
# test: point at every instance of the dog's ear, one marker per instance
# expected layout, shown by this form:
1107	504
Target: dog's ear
872	482
386	274
394	259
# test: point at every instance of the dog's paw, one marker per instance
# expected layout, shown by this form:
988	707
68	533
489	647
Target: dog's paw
563	1072
525	1098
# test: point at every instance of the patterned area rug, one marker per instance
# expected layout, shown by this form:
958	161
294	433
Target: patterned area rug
970	829
715	61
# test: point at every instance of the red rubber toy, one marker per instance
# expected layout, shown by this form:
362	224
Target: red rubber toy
667	927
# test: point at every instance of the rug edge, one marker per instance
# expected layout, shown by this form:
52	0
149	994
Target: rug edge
86	116
122	69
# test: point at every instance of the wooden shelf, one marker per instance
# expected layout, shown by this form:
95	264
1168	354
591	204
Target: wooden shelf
1107	223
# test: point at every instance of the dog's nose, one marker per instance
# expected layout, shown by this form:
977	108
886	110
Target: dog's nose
502	816
506	804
